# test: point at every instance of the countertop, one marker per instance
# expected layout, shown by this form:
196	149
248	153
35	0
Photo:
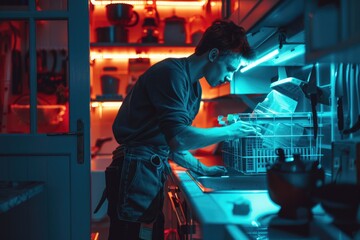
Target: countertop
13	194
215	213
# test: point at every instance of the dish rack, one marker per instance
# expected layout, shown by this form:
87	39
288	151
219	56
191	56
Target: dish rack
291	132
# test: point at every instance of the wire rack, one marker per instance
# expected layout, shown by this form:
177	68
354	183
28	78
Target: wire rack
291	132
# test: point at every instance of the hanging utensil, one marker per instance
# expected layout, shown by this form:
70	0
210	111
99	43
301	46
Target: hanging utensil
339	93
355	90
312	93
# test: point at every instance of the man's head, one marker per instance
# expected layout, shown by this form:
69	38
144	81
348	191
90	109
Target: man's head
226	47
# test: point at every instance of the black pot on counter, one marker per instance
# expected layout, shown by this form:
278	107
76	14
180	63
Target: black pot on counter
291	185
112	34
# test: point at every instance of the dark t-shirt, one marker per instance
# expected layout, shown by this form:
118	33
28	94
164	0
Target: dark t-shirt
160	105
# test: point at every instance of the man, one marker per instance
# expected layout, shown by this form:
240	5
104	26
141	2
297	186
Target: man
154	124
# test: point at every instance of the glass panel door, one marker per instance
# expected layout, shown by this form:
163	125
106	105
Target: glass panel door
14	81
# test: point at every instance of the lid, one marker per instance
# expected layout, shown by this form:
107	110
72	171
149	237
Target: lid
175	19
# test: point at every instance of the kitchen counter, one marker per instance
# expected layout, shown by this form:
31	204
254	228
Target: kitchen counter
13	194
246	214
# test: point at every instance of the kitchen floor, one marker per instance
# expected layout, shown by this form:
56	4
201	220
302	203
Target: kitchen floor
99	230
101	227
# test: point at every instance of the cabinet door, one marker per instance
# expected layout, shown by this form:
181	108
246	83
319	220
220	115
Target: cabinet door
332	31
44	99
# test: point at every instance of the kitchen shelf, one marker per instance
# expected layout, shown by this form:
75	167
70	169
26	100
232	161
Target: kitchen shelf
152	45
143	47
139	50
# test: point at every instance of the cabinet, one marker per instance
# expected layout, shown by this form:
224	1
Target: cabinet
248	13
332	31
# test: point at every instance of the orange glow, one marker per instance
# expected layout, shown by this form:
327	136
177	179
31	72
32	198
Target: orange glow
52	114
109	106
106	104
95	236
125	56
194	3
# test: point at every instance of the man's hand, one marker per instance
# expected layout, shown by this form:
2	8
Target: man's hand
187	160
213	170
241	129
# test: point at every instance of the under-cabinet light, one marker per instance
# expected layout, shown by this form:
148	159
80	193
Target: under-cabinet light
295	52
109	106
125	56
115	104
260	60
194	3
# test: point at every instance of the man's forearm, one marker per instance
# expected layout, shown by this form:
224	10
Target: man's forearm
184	159
193	138
187	160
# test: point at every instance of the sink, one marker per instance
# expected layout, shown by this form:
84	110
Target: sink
233	180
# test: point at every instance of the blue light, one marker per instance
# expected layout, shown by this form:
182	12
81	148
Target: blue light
260	60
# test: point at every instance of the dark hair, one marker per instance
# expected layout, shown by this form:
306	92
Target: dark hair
226	36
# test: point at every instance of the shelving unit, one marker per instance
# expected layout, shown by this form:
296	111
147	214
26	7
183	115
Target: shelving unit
117	54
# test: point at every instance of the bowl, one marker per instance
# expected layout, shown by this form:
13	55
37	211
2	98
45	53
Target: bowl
46	114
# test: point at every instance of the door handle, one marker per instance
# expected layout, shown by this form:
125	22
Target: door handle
80	140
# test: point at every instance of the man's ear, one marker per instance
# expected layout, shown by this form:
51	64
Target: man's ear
213	54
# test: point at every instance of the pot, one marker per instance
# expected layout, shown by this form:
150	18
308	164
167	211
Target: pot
122	13
291	185
175	30
115	33
109	85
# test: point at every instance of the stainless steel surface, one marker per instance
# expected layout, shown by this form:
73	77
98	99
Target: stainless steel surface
234	180
218	220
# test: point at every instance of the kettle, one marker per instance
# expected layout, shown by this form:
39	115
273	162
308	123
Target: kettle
175	30
292	183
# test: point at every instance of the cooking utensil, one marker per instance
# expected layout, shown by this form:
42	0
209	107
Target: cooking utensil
175	30
49	80
122	13
312	93
339	93
150	24
355	89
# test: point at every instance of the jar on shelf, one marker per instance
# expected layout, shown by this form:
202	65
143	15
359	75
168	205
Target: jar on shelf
150	26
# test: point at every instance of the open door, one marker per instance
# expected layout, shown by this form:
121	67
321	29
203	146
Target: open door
44	104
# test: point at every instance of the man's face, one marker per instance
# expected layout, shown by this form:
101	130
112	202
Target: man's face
221	69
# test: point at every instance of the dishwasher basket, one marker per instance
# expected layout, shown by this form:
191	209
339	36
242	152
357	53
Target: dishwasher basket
291	132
